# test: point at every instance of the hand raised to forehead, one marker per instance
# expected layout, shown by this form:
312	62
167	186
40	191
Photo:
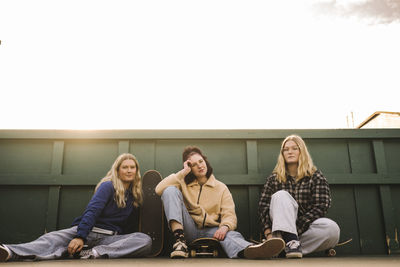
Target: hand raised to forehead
186	167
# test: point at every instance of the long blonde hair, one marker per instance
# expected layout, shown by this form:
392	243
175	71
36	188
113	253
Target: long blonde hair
112	176
306	166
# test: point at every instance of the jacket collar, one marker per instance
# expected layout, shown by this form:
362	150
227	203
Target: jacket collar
210	182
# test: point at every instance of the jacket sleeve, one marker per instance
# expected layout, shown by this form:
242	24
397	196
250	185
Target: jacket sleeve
228	214
321	201
264	204
172	180
104	193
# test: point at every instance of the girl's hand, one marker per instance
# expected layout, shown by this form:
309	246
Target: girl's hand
186	168
221	232
75	245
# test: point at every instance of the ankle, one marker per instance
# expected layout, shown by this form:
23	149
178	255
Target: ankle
179	235
289	237
277	234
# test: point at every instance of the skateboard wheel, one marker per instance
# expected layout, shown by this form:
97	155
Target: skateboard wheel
331	252
215	253
193	253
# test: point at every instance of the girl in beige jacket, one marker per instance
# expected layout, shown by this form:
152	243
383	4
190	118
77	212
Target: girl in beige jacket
198	205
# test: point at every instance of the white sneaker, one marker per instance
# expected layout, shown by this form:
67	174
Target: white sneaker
267	249
86	254
180	250
293	250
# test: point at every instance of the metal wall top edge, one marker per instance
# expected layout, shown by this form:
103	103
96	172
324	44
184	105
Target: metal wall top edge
199	134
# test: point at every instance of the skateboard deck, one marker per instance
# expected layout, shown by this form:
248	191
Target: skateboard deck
204	247
332	251
151	220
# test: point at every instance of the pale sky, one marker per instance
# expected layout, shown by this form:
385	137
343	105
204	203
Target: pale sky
112	64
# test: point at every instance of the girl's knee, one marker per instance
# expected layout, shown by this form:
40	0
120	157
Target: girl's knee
141	241
332	229
283	196
280	193
148	242
334	232
146	239
170	193
170	190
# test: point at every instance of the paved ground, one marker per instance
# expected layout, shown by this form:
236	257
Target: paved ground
365	261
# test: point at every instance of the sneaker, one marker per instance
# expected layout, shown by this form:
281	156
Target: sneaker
267	249
180	250
4	254
86	254
293	250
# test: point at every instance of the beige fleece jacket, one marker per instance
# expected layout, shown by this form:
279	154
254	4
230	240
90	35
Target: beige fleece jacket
209	205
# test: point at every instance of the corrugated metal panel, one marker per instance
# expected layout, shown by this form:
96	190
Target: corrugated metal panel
47	177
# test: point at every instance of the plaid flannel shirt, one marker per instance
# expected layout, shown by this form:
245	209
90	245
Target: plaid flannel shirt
312	194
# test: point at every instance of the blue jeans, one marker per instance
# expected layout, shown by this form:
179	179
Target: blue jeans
176	210
54	245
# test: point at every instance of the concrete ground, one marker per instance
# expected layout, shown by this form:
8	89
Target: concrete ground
364	261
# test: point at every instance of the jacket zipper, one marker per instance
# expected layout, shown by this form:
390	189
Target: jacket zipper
204	221
198	199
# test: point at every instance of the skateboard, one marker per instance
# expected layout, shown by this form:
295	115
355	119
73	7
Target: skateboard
151	220
204	247
332	251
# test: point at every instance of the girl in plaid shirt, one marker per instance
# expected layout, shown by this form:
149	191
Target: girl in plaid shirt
294	201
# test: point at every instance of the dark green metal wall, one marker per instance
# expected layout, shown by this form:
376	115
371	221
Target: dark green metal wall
47	177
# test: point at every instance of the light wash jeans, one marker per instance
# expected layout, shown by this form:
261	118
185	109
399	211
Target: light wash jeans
322	234
54	245
175	209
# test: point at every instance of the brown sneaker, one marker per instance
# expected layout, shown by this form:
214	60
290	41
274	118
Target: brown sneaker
267	249
4	254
